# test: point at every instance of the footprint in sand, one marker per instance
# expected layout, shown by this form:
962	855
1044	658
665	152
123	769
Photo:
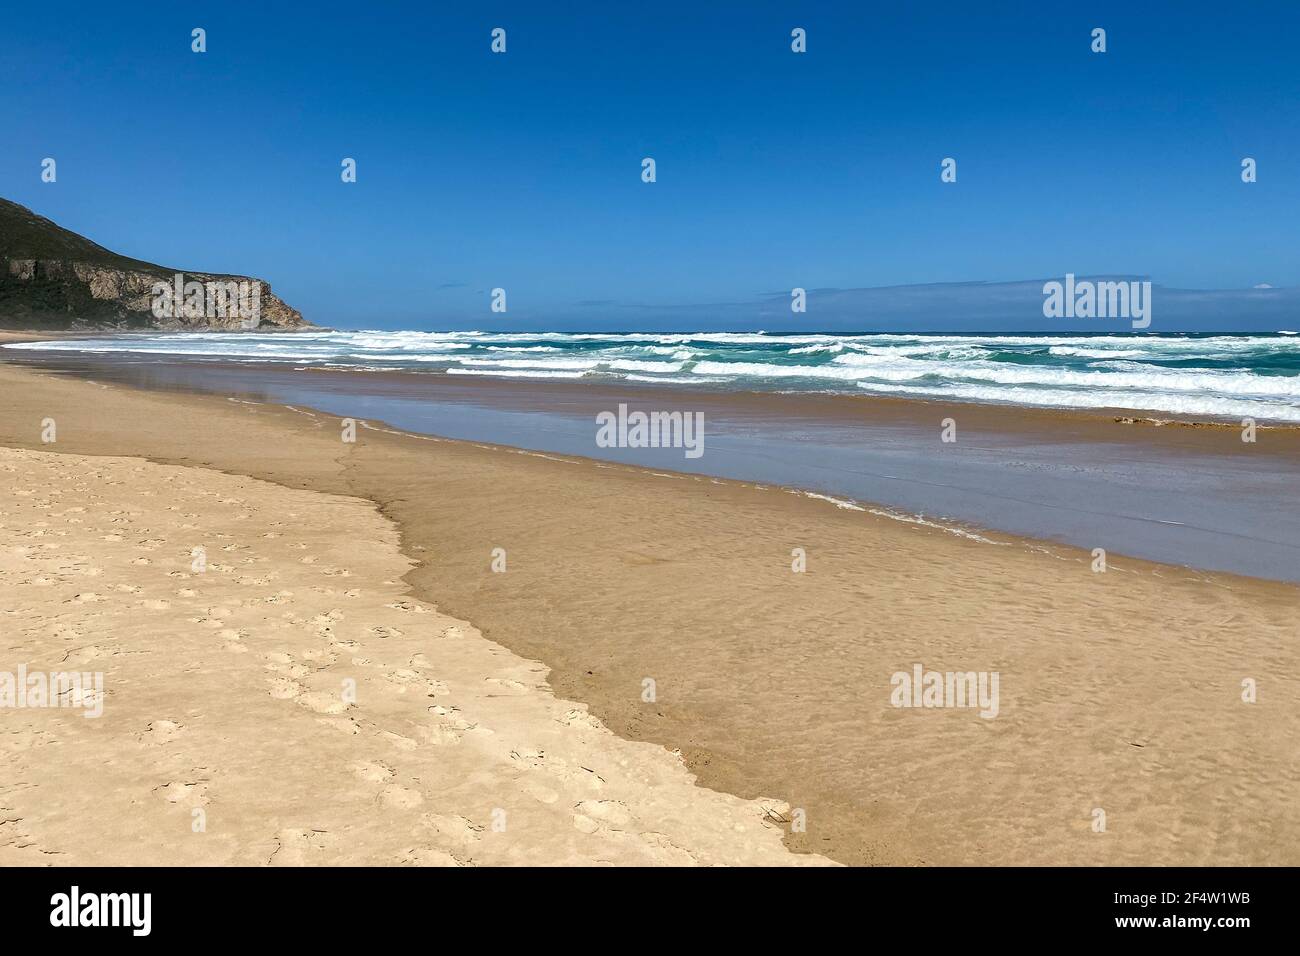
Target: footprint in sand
540	792
399	798
410	606
451	717
162	731
405	679
288	670
284	689
532	759
590	814
374	772
322	703
234	640
81	655
453	828
192	794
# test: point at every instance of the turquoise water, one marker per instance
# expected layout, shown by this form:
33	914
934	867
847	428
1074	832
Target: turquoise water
1223	376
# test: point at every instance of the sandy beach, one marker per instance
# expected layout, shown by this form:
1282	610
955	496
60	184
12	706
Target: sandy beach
1120	692
285	702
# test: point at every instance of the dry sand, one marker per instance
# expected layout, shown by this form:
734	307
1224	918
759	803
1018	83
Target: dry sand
1120	692
285	702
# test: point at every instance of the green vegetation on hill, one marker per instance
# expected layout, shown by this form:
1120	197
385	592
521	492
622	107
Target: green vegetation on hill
52	278
25	235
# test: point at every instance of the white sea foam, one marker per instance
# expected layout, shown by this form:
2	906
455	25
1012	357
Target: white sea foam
514	373
1229	376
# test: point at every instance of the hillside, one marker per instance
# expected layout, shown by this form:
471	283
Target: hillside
52	278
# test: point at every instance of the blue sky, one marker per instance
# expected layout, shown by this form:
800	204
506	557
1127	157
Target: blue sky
775	170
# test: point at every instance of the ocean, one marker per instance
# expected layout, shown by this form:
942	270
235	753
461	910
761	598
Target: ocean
1220	376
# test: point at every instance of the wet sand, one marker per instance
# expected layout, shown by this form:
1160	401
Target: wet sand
1181	493
1120	691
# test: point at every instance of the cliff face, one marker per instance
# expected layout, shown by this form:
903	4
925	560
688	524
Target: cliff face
52	278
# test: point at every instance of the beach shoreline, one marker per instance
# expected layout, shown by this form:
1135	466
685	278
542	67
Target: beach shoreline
1188	494
777	684
828	405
